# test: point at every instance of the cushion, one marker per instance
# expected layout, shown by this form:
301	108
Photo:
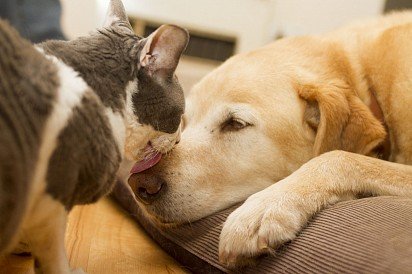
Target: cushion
370	235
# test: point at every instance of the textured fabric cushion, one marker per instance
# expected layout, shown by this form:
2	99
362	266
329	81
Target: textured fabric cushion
371	235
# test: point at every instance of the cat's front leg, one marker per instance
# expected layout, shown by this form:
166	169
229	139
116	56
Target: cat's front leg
45	232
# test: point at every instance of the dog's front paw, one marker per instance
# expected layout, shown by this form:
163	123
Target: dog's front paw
265	221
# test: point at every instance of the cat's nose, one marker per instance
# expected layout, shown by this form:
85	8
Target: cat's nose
147	186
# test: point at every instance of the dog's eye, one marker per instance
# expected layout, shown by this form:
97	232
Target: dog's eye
234	124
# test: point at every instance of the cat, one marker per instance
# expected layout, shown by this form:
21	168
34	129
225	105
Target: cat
70	111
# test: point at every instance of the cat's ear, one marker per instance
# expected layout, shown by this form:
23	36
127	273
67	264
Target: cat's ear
162	50
116	13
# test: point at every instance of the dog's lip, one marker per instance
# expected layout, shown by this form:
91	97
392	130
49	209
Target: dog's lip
151	158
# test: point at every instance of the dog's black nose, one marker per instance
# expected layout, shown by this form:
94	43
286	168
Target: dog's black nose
146	186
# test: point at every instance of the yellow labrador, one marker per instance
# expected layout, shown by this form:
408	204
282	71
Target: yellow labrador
326	118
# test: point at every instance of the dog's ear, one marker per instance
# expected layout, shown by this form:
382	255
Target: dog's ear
116	13
162	50
341	120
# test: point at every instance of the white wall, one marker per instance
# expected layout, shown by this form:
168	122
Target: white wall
253	22
80	17
248	20
297	17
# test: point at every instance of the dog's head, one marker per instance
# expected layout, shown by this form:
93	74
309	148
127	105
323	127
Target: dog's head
253	121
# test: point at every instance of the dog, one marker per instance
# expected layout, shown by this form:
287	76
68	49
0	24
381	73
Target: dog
69	112
294	126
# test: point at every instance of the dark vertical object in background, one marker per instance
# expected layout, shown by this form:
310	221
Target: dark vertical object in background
397	5
36	20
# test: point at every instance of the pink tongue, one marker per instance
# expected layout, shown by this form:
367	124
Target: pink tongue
148	161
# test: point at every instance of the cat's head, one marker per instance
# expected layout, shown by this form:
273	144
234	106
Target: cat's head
155	102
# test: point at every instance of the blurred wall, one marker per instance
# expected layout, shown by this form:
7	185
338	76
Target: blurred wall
249	21
297	17
252	22
80	17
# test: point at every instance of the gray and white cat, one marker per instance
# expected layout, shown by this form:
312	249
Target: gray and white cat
68	112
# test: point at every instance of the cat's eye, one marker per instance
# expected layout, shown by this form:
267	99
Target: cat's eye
234	124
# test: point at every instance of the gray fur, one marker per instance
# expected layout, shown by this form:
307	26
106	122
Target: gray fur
83	166
107	60
116	9
28	85
153	93
158	84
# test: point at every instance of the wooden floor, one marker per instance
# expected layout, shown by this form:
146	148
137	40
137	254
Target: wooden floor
101	238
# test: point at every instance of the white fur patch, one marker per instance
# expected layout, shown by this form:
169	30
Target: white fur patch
69	95
136	134
117	124
44	231
131	88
